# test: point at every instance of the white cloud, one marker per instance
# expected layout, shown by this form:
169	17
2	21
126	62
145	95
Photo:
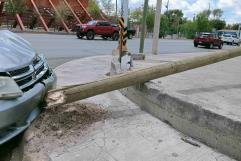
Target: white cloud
231	8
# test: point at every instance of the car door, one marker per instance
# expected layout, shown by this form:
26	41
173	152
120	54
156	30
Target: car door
235	39
100	28
107	28
215	40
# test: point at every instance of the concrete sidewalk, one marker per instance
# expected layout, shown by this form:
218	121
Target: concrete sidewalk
130	134
203	103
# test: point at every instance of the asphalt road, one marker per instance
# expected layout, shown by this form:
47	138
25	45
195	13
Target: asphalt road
59	49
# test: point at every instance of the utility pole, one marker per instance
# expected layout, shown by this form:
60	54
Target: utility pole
167	6
143	26
168	21
126	11
156	27
116	9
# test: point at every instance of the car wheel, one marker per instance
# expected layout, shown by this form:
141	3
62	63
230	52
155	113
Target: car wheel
195	45
211	46
130	36
115	36
220	46
79	35
90	35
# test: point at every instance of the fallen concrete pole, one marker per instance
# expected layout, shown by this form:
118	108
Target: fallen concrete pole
78	92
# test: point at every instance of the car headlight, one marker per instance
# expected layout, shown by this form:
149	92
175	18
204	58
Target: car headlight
9	89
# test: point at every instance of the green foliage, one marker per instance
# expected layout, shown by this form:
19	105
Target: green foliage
206	13
150	19
218	24
233	26
217	13
202	21
175	19
136	16
189	29
163	26
94	9
13	7
174	22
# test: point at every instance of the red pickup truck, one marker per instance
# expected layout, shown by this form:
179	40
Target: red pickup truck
102	28
209	40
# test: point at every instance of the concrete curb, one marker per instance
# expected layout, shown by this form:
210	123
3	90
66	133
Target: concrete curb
190	118
43	32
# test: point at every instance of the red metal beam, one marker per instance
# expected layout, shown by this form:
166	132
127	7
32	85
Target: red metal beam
76	17
84	9
40	16
62	21
20	22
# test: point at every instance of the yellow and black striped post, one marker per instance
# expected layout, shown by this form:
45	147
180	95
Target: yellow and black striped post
123	37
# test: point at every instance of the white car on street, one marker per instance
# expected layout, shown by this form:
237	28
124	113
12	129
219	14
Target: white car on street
230	39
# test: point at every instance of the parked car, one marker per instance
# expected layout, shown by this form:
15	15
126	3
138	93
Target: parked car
25	78
102	28
209	40
231	39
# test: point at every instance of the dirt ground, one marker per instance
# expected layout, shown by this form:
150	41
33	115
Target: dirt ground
60	127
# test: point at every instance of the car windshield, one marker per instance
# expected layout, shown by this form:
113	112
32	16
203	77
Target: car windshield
226	35
205	35
91	23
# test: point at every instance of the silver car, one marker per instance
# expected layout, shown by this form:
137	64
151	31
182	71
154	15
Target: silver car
25	79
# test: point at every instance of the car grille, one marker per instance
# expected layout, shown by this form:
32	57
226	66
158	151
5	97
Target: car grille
19	71
27	76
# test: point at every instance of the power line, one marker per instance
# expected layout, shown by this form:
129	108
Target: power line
167	6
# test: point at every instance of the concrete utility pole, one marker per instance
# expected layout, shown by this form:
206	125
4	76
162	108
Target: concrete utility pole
156	27
143	26
116	8
81	91
126	11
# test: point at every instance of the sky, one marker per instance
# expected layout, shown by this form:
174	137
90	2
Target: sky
231	8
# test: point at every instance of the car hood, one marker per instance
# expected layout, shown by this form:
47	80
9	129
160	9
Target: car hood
15	52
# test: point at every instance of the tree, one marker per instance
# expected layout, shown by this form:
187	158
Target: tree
189	29
150	19
12	7
217	13
93	9
202	22
235	26
206	13
218	24
108	6
136	16
175	19
163	26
